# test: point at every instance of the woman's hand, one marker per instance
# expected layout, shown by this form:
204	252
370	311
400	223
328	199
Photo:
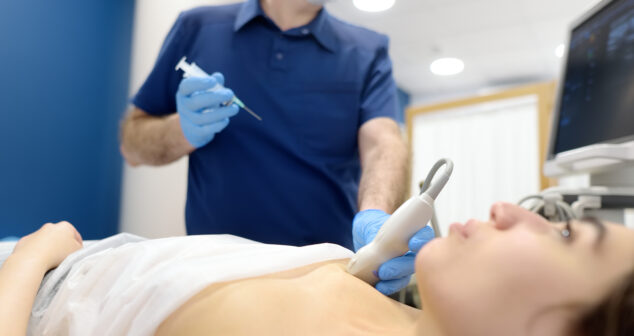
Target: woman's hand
49	245
22	273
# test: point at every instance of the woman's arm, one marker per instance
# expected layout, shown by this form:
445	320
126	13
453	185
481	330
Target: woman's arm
19	280
22	272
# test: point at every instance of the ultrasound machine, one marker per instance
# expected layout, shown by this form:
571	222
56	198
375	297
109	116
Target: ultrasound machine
593	121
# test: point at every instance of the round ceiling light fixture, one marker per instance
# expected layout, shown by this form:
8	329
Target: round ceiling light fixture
373	5
447	66
560	50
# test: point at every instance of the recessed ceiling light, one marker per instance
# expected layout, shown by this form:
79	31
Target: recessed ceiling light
373	5
447	66
560	50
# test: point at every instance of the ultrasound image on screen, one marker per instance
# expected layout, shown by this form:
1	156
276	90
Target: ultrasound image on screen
597	103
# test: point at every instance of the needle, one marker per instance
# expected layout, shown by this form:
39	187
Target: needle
252	113
241	104
192	69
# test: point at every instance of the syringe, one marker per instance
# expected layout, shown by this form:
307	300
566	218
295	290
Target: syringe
193	70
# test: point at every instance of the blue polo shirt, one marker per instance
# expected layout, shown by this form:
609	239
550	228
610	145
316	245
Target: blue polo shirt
292	178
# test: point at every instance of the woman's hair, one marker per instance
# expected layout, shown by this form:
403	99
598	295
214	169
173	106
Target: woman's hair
613	316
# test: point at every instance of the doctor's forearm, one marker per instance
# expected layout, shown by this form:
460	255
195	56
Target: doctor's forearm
152	140
385	172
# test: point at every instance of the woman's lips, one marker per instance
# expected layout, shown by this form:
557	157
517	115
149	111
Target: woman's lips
458	229
470	226
465	230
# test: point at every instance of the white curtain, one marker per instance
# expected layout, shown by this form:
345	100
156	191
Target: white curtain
494	147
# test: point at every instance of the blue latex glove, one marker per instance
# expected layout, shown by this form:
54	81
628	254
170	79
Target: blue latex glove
202	113
394	274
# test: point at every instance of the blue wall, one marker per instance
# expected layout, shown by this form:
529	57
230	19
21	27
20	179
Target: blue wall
64	68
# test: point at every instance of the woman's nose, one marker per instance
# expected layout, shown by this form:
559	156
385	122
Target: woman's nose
506	215
502	216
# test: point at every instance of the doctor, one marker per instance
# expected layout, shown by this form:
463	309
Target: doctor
327	148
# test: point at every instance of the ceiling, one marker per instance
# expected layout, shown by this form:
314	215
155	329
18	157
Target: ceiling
502	42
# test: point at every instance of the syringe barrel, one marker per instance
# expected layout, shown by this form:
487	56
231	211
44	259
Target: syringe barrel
193	70
190	70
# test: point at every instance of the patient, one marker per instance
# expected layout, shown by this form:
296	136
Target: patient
516	274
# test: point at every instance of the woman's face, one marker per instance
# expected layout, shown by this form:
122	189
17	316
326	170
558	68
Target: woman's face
518	274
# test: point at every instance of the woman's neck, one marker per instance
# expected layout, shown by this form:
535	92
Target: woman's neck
288	14
426	325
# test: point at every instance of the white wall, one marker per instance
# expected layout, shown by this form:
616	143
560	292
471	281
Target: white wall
153	200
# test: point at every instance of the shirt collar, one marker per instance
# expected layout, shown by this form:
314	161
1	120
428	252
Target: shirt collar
248	11
320	27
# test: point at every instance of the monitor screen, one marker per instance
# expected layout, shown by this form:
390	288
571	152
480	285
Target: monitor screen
597	100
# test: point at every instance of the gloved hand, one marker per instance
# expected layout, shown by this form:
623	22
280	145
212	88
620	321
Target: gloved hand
394	274
202	113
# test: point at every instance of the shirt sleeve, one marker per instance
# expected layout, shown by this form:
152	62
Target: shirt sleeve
157	94
379	97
